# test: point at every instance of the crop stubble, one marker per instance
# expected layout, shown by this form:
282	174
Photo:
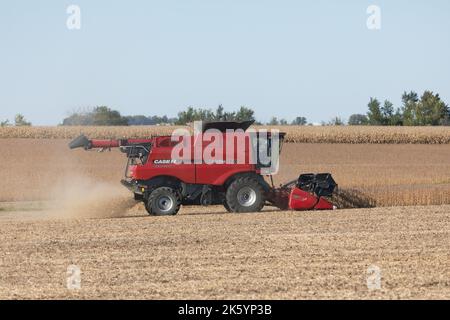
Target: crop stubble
207	253
270	255
368	174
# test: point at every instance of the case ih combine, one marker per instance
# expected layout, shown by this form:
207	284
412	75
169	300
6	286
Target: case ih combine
164	183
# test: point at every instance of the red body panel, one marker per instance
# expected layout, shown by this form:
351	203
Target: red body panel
324	204
196	171
302	200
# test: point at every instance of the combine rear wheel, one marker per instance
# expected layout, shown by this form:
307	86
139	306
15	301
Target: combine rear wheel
245	194
163	201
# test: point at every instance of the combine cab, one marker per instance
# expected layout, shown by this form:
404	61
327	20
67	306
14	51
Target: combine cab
164	182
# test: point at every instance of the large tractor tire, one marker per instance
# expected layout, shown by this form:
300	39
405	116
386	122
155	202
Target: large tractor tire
163	201
225	204
245	194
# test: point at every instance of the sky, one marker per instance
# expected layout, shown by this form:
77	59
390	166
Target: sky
282	58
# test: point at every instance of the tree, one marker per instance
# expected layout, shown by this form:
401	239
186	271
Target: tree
375	115
273	121
186	116
245	114
5	123
78	118
336	121
358	120
219	113
193	114
139	120
432	110
409	109
98	116
429	110
299	121
104	116
387	111
20	121
397	118
283	122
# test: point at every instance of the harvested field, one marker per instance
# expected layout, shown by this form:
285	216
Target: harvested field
216	255
299	134
368	174
60	207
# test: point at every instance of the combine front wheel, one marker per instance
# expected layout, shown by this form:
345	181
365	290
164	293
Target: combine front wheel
163	201
245	194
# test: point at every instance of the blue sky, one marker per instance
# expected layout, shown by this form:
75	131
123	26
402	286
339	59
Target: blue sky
284	58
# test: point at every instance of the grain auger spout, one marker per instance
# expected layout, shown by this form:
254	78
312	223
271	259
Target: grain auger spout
83	142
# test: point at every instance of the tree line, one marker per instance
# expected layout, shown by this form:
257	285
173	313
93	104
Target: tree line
427	110
103	116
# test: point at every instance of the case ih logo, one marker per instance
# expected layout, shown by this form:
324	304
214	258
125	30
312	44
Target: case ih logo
165	161
227	146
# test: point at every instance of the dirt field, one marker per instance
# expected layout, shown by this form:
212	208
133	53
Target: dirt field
370	174
273	255
60	207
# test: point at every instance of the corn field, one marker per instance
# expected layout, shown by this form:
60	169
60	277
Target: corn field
298	134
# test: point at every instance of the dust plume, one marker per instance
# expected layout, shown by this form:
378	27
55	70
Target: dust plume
83	197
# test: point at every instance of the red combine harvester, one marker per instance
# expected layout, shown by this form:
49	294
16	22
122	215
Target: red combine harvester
164	184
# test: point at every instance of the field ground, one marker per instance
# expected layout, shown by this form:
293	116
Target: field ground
367	174
269	255
60	207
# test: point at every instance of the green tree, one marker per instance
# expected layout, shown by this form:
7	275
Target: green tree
193	114
186	116
358	120
410	108
104	116
375	114
219	116
299	121
20	121
428	110
273	121
98	116
432	110
387	111
245	114
336	121
5	123
397	118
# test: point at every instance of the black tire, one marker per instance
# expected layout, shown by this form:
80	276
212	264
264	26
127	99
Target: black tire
225	204
163	201
245	194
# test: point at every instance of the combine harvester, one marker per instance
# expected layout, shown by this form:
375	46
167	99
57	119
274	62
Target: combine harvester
164	183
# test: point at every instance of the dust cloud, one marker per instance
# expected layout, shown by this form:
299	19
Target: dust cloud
83	197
